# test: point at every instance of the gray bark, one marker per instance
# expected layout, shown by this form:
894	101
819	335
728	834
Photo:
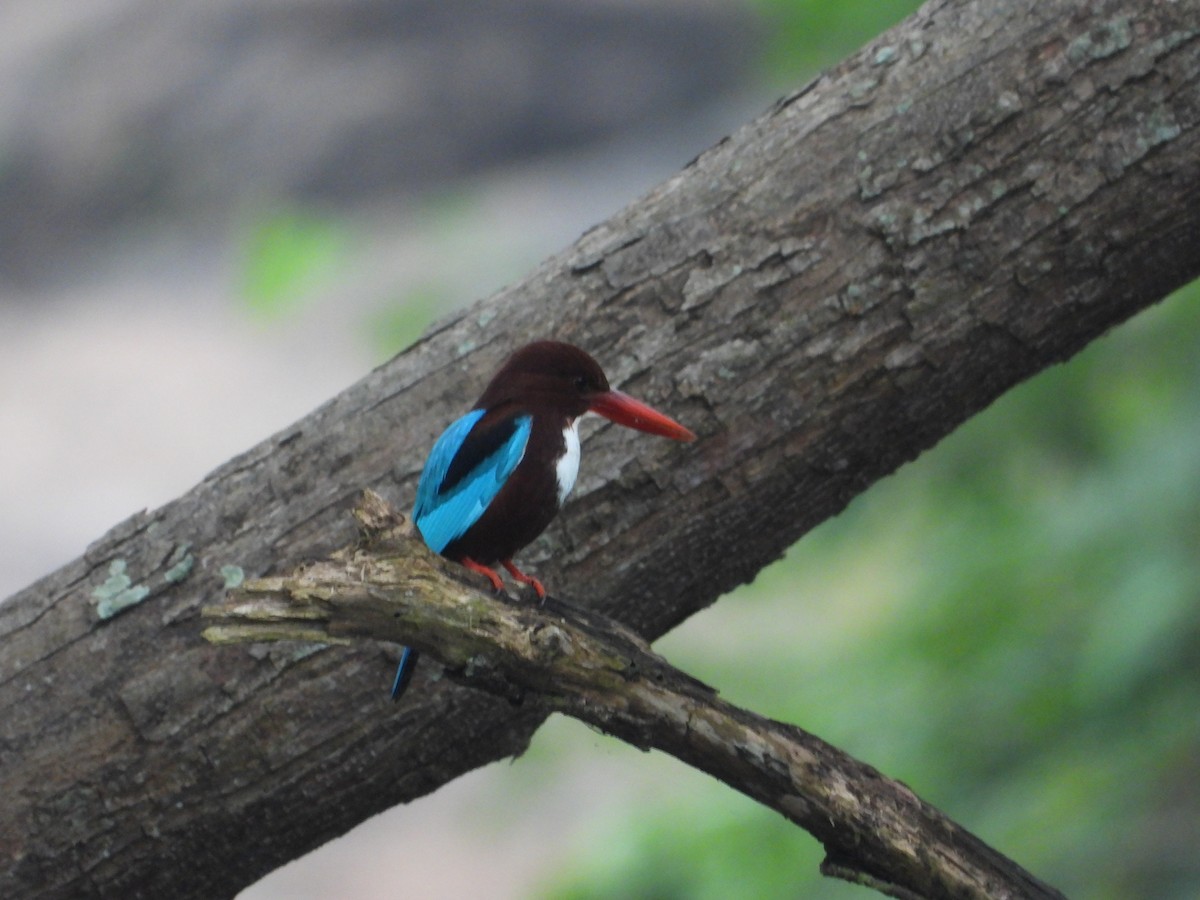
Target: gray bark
974	196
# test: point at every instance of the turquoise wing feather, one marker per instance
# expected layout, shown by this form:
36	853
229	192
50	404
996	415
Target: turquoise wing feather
447	506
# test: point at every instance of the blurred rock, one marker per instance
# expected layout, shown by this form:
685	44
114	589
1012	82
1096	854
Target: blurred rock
123	110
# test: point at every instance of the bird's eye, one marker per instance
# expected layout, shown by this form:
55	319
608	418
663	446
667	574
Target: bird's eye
581	383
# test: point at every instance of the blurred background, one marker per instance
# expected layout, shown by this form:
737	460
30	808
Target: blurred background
215	216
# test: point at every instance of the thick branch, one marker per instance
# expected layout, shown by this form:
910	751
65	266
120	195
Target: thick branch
973	197
875	830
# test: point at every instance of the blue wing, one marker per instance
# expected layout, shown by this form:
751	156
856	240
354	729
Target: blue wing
464	473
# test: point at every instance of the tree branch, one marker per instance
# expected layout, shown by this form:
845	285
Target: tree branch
875	831
971	198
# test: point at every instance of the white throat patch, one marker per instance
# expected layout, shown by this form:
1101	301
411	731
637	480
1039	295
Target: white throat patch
568	464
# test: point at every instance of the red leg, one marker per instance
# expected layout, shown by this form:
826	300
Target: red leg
523	578
491	574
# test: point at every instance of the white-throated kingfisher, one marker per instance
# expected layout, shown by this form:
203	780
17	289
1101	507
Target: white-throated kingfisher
499	475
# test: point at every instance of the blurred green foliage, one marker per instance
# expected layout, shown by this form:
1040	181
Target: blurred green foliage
398	324
286	254
804	36
1010	625
468	253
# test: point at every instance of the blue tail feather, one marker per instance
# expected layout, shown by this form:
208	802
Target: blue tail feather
404	672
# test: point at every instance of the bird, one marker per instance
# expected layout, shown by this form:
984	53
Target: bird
498	475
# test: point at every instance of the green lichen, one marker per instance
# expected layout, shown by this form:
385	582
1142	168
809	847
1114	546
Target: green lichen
885	56
233	575
118	591
1102	41
181	564
1161	127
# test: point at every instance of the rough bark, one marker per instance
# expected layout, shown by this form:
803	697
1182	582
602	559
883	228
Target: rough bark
974	196
389	587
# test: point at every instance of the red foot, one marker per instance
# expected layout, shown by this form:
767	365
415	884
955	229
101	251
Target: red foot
491	574
523	578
